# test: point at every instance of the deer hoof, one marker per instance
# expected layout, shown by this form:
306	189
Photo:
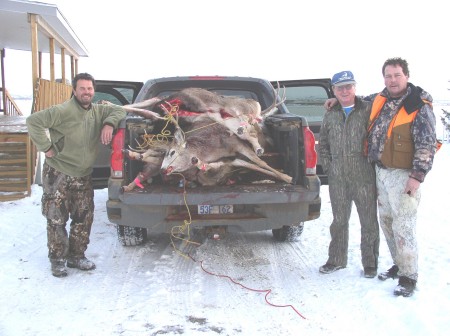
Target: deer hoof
259	151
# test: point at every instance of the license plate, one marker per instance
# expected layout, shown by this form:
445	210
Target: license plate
214	209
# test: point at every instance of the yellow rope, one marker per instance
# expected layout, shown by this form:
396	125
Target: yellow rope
150	140
196	129
182	228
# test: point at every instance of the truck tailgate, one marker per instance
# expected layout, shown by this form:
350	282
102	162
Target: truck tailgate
269	193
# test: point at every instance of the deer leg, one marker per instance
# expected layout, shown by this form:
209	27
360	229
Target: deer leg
258	161
145	103
254	143
150	170
142	112
252	166
136	182
150	155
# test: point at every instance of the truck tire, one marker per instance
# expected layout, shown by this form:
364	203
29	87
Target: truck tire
131	236
288	233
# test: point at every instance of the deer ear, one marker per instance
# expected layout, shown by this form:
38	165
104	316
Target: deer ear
179	138
194	160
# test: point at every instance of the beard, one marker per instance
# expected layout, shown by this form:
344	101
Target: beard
84	100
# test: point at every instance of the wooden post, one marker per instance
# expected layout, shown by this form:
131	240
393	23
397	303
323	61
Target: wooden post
52	59
40	64
34	49
63	65
2	56
52	69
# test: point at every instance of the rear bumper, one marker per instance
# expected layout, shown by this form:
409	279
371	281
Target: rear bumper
256	207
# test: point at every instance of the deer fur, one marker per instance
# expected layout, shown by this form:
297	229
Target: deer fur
206	145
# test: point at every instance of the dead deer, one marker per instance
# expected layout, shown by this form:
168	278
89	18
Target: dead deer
240	115
208	145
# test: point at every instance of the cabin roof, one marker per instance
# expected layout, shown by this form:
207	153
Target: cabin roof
15	31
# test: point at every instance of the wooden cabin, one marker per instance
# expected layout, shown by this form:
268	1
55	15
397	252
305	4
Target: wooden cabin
38	28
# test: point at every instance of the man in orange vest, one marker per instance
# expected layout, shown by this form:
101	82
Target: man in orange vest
401	144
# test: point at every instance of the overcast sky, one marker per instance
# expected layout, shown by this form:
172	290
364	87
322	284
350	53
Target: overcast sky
277	40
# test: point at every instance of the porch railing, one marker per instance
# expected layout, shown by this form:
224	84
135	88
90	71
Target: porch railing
7	104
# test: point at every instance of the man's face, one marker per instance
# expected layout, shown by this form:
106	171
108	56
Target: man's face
84	92
395	80
345	94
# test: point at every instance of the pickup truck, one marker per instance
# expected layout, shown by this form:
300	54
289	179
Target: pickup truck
277	206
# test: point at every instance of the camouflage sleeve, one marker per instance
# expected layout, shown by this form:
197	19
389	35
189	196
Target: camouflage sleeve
370	97
424	135
324	145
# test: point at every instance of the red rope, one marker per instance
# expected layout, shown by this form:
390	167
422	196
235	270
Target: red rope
267	291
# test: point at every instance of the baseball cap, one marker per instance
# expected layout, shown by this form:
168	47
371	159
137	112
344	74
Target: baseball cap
343	78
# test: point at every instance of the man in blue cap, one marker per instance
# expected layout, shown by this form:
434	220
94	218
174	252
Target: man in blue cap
351	177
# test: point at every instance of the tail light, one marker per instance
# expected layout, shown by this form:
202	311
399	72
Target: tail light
310	151
117	154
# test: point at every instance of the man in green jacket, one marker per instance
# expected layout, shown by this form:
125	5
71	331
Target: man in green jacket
74	129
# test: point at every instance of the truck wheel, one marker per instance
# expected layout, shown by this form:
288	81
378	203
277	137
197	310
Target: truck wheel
131	236
288	233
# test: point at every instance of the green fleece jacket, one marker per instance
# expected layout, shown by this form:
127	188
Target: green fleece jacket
74	134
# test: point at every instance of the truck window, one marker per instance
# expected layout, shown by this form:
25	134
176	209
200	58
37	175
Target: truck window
222	92
118	96
306	101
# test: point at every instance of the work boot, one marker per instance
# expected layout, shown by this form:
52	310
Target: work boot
370	272
59	268
405	287
390	273
82	263
329	268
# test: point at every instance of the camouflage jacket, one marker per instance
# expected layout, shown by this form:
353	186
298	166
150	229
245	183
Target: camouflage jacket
341	144
423	130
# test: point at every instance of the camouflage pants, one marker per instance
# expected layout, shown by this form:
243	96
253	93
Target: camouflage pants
65	196
398	218
342	195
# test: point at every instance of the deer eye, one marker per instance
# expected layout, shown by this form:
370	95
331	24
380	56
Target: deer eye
194	160
172	153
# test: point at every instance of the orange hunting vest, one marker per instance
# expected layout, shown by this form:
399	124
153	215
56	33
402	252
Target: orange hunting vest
399	146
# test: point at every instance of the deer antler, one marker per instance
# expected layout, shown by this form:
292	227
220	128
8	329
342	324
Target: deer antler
275	104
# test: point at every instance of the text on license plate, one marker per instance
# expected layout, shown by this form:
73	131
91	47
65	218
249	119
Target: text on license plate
215	209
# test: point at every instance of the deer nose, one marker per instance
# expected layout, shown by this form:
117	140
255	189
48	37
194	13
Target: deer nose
168	170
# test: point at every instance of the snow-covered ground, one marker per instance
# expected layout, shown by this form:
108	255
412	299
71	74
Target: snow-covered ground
155	289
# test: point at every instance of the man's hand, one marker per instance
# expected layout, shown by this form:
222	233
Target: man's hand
412	185
50	153
329	103
107	132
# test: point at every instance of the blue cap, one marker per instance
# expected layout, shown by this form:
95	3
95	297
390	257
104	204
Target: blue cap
343	78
